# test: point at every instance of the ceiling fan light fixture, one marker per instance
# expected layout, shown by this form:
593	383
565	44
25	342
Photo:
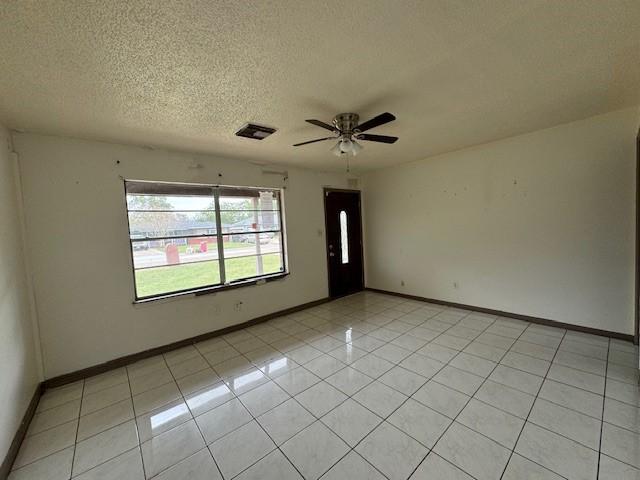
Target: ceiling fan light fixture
345	145
355	147
336	150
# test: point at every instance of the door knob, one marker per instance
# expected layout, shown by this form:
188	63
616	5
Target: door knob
331	254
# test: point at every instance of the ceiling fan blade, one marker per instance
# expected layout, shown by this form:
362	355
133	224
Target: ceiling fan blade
318	123
381	119
314	141
377	138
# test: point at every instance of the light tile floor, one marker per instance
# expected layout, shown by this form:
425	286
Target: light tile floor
366	387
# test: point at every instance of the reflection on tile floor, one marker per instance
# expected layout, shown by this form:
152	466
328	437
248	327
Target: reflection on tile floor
366	387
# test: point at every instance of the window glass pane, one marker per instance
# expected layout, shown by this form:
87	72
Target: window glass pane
160	253
245	210
344	238
248	199
170	215
245	244
249	220
171	224
237	268
159	280
170	202
245	257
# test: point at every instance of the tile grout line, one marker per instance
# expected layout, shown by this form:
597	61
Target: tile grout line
150	389
212	366
405	314
134	419
51	428
410	396
529	414
507	386
350	397
394	363
253	418
318	419
475	339
604	402
233	393
91	413
635	432
397	364
135	423
96	434
106	407
445	364
462	409
557	348
75	443
291	397
204	440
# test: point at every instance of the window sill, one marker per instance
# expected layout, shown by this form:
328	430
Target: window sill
216	289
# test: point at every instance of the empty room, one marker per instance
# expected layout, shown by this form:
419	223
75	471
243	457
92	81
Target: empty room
329	240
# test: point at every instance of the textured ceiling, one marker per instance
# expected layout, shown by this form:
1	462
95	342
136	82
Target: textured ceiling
187	74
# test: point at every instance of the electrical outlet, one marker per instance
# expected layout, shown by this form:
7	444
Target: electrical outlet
402	283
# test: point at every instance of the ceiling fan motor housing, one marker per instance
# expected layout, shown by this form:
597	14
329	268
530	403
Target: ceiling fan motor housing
346	122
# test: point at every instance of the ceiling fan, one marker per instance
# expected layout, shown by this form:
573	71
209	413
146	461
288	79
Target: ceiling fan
347	131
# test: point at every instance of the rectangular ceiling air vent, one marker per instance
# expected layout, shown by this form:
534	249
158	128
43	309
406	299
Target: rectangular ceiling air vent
257	132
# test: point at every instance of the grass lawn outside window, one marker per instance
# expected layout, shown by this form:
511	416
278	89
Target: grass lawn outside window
156	281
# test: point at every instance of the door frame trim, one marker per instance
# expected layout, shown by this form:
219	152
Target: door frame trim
325	191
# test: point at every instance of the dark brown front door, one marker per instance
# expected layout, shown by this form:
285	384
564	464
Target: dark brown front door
344	241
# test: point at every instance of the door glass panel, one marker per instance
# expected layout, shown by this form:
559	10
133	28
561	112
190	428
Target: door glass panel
344	239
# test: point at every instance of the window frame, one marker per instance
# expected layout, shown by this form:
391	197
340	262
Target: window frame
219	234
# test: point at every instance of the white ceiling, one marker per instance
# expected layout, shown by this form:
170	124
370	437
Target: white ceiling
187	74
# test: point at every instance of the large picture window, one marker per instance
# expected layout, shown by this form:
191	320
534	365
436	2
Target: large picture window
189	238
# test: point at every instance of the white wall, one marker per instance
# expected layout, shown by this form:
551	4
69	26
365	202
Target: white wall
78	243
539	224
19	370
